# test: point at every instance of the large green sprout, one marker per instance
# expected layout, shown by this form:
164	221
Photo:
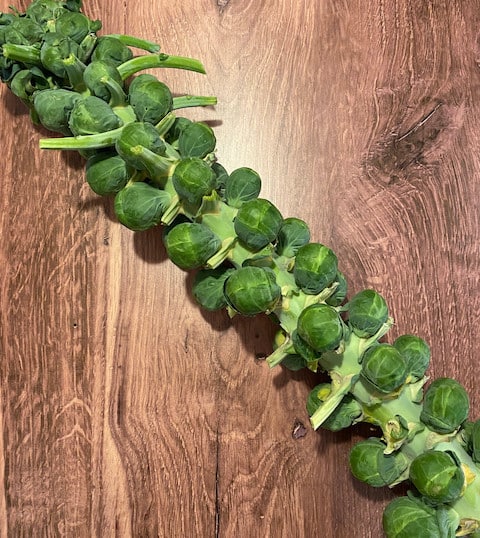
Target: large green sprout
162	170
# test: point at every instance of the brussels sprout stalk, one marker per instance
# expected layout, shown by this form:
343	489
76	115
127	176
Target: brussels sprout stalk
150	61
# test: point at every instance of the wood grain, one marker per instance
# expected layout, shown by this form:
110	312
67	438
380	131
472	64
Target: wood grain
126	411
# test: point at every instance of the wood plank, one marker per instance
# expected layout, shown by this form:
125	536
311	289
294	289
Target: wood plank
126	411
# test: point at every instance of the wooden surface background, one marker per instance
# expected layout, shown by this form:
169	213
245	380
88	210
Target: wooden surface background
126	411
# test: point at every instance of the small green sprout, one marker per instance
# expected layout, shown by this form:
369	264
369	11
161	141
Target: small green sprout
315	268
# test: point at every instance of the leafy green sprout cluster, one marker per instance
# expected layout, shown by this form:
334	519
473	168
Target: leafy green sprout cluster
162	171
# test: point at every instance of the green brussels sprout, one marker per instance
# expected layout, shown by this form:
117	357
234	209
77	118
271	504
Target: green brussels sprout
343	416
97	76
179	125
92	115
221	176
338	296
405	517
196	140
370	464
27	82
112	50
384	367
43	11
23	31
321	327
107	173
193	179
140	206
189	244
136	137
251	290
56	48
150	99
315	268
208	287
242	185
416	353
367	312
76	25
445	406
54	107
294	234
294	363
437	476
257	223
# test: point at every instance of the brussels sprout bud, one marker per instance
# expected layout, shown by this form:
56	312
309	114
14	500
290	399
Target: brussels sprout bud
134	139
405	517
107	173
43	11
315	268
23	31
445	405
55	49
190	244
242	185
303	348
252	290
343	416
293	234
179	125
140	206
257	223
321	327
92	115
76	25
294	363
208	287
112	50
338	296
437	476
416	353
27	83
95	76
384	367
150	99
367	312
221	176
196	140
54	107
193	179
370	464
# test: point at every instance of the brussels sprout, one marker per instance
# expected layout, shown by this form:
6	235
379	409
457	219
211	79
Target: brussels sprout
405	517
321	327
54	107
27	82
189	244
221	176
92	115
437	476
416	353
179	125
134	139
43	11
112	50
140	206
304	349
338	296
445	405
193	179
97	77
208	287
55	49
293	234
384	367
370	464
242	185
294	363
196	140
257	223
315	268
343	416
252	290
76	25
367	312
107	173
23	31
150	99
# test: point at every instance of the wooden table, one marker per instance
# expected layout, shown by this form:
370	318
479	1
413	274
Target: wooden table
125	410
